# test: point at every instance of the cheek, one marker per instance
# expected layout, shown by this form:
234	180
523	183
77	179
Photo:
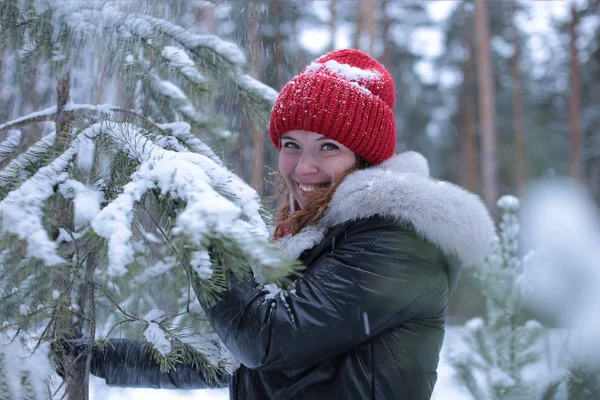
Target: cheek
341	164
286	165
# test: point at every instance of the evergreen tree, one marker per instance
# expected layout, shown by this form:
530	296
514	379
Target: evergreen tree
498	347
109	218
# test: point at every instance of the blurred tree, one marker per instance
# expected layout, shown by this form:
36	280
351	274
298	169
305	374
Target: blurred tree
575	91
269	29
518	111
487	104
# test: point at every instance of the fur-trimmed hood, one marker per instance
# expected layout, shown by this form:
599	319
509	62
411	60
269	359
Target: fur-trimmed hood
400	188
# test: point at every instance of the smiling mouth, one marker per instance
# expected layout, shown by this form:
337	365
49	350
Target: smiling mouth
305	189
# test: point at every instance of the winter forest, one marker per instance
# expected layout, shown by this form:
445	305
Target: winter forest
133	141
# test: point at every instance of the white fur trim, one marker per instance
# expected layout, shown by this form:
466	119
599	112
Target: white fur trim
399	188
306	239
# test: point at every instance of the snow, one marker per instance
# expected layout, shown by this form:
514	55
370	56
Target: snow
346	71
200	261
13	138
178	58
160	267
42	113
85	149
157	337
272	289
22	210
170	90
182	131
87	201
17	361
20	163
187	176
256	88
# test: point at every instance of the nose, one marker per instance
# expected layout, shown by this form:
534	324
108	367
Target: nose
306	165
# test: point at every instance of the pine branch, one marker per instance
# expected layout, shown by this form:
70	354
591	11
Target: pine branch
8	146
22	209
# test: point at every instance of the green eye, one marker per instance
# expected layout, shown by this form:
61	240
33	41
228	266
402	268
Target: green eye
330	146
290	145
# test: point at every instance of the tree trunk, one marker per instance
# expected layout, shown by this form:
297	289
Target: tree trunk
518	105
358	25
332	23
487	106
468	137
208	12
386	22
575	110
63	122
258	136
369	25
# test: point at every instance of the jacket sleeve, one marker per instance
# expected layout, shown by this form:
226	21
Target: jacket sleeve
129	363
370	282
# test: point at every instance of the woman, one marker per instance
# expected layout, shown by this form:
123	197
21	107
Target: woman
383	245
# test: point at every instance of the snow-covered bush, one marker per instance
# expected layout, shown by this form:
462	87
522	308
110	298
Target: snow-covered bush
499	347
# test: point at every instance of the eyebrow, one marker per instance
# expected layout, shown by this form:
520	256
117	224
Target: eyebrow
291	138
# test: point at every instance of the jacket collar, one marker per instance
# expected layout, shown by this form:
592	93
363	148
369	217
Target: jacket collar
400	189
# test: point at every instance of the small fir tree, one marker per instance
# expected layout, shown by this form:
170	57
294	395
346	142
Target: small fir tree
108	219
500	346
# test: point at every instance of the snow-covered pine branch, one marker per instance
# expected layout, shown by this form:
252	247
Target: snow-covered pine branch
179	60
193	178
182	131
8	146
22	210
23	374
149	159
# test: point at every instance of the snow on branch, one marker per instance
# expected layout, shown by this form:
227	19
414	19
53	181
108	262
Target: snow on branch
232	214
25	373
49	114
180	100
22	210
256	88
178	59
226	50
144	26
8	146
182	131
38	116
29	157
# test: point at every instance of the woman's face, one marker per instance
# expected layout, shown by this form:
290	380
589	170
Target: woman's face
308	161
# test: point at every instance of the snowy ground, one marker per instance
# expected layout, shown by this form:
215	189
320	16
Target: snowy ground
445	389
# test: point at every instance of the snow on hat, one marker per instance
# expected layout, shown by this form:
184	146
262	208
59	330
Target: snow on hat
346	96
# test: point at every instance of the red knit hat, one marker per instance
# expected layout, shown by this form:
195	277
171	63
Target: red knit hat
346	96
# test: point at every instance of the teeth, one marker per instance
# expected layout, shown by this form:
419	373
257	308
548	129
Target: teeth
307	188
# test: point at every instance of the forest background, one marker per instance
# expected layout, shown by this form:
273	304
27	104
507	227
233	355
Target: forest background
495	94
